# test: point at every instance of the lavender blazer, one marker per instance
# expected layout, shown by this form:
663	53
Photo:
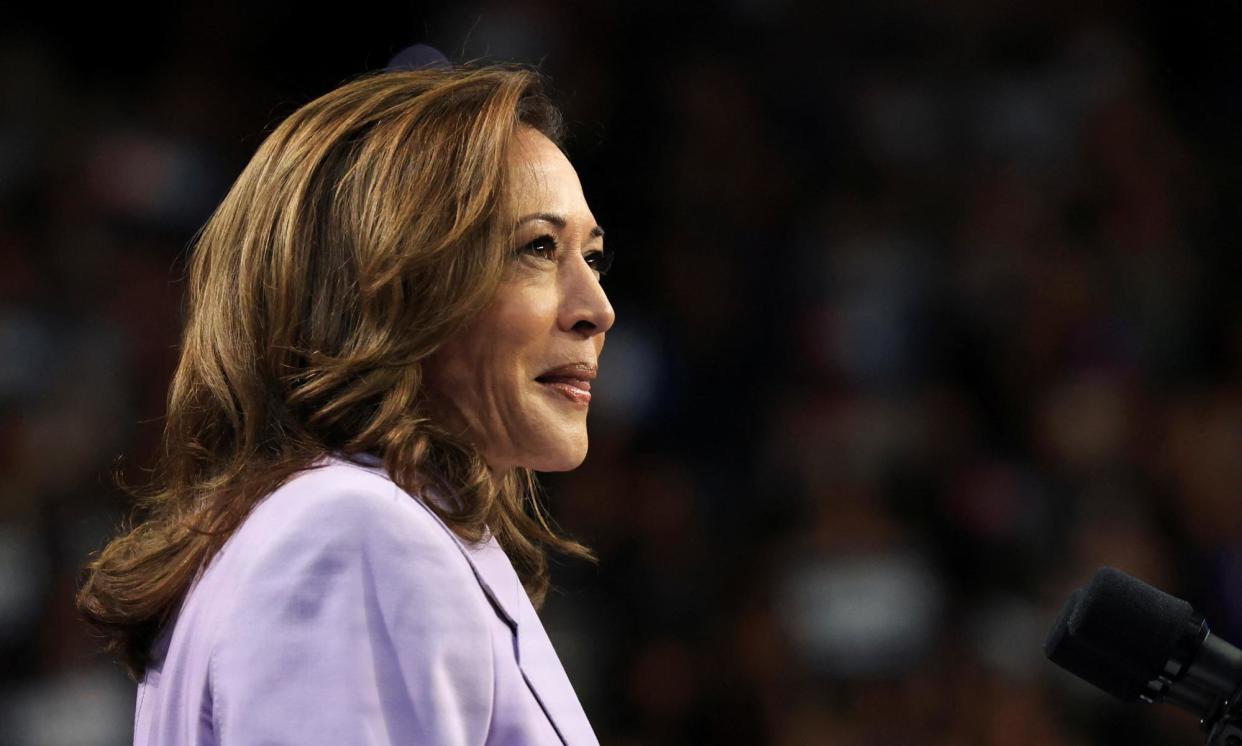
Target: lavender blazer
343	612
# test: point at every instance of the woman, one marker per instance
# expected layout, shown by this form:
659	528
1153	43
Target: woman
394	318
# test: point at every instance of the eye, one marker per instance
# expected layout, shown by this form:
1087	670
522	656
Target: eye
543	247
600	261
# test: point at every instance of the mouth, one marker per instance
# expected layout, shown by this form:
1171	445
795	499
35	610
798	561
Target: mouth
571	381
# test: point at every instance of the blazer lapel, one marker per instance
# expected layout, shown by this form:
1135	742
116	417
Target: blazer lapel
537	659
546	677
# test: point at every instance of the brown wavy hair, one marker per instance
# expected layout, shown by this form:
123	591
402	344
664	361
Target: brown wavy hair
369	227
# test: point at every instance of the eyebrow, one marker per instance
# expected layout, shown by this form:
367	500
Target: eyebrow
557	220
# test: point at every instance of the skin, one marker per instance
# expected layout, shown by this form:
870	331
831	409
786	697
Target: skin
550	311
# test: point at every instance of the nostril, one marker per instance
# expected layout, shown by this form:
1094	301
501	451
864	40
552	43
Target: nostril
584	326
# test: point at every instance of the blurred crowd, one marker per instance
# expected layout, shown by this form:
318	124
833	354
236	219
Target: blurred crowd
925	311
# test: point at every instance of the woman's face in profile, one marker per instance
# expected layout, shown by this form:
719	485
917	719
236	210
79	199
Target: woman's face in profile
518	378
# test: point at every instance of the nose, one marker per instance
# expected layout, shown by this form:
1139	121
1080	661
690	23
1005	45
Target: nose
585	308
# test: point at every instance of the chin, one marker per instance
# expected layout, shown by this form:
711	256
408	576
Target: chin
565	457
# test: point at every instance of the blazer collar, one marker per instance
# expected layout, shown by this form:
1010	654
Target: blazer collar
536	657
490	563
540	665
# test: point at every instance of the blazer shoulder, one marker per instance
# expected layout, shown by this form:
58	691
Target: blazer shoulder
346	609
345	504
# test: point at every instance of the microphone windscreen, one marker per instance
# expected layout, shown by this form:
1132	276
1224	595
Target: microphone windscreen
1118	633
1112	674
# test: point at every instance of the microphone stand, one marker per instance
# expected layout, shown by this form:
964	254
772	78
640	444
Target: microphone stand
1224	726
1196	688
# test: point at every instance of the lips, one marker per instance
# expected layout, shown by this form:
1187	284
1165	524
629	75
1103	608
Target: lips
572	381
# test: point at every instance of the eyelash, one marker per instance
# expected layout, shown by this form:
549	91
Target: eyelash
600	261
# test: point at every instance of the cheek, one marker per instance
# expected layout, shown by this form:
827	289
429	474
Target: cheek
485	366
523	323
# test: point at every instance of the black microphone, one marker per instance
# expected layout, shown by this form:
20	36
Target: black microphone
1139	643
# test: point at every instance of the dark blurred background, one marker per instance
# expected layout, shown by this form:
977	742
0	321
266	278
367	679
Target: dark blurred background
925	312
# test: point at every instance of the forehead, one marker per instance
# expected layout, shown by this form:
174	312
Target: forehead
542	179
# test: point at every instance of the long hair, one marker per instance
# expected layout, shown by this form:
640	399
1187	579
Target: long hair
369	227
